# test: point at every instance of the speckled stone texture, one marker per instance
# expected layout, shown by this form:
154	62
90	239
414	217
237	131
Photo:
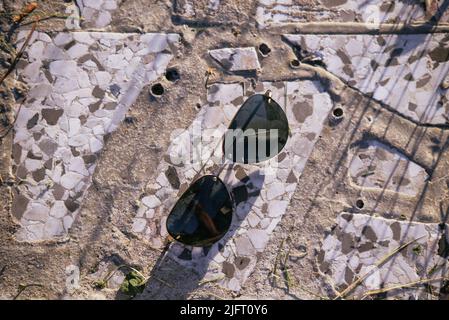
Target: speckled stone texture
359	242
373	165
262	192
329	207
195	9
271	13
236	59
208	12
81	85
97	13
405	72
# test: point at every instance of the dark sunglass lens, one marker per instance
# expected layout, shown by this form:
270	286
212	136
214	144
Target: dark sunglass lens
203	214
258	132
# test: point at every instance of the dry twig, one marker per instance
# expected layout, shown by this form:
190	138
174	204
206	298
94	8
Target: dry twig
220	277
23	287
401	286
359	280
19	54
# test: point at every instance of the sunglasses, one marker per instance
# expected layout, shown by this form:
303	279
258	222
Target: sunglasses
203	214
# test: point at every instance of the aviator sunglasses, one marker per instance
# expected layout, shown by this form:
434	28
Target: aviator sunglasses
203	214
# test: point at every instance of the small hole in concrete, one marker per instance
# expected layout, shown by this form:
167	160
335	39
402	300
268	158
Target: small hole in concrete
198	106
172	75
130	120
294	63
264	49
338	112
336	116
360	204
157	90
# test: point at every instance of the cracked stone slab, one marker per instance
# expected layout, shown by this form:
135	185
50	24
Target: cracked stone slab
404	72
189	8
97	13
81	86
262	191
236	59
282	12
375	165
206	12
358	242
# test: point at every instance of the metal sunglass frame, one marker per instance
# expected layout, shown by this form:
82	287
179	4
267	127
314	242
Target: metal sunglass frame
215	176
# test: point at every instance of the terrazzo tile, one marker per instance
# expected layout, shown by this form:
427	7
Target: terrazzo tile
59	132
97	13
375	165
359	242
253	185
271	13
208	11
236	59
414	66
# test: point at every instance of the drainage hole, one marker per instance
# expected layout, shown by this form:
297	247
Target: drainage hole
264	49
360	204
338	112
172	75
157	90
295	63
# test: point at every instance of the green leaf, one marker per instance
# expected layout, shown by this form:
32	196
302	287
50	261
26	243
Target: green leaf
133	284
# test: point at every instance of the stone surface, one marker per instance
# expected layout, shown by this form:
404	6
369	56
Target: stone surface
267	178
359	242
97	13
402	71
236	59
272	13
80	86
64	88
209	12
375	165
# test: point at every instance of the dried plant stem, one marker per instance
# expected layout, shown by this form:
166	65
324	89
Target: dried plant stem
221	277
111	274
359	280
19	54
23	287
48	17
288	279
216	296
274	271
14	122
164	282
313	293
401	286
11	69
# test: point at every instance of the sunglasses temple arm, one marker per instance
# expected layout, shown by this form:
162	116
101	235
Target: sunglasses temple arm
223	162
223	165
164	252
208	159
